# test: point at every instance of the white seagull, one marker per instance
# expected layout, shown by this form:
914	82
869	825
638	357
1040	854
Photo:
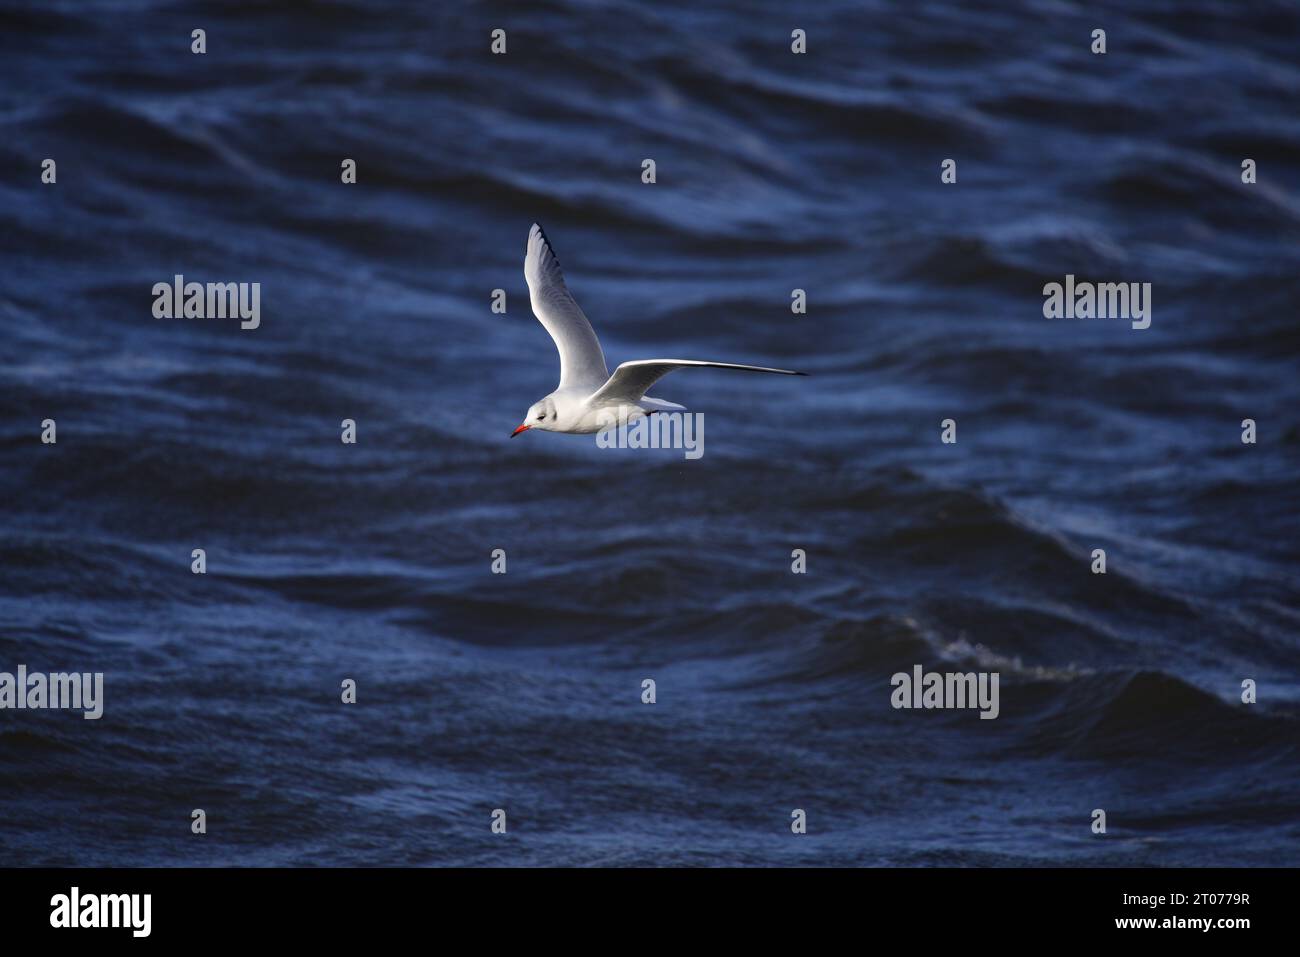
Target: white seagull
588	398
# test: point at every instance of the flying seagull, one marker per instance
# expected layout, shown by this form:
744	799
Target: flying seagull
588	398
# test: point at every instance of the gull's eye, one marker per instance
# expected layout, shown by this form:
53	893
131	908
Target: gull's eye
542	416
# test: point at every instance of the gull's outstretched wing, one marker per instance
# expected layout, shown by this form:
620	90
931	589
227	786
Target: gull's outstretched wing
581	361
632	380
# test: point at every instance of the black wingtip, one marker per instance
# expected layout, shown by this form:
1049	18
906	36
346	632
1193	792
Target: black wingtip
547	240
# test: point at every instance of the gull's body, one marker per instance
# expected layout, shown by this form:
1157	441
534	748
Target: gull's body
588	398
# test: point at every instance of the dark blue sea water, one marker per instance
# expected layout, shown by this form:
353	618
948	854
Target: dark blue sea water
522	691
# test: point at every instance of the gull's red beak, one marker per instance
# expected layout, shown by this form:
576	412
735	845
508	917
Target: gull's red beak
522	428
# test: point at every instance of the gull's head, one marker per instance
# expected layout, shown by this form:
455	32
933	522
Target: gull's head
540	416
